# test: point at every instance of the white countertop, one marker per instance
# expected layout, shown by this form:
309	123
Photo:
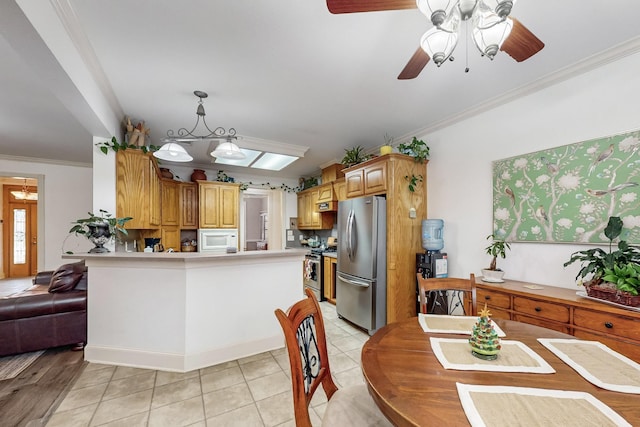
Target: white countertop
185	256
330	254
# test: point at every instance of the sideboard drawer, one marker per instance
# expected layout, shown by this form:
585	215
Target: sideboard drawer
495	299
606	323
546	310
498	313
542	323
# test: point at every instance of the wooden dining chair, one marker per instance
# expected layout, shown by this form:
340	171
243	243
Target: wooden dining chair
305	338
463	293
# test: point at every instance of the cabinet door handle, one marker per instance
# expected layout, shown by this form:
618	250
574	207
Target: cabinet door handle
608	325
538	309
487	297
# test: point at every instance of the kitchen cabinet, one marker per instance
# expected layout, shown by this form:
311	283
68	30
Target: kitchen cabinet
340	188
170	238
138	189
218	204
309	218
170	202
329	270
367	180
326	193
562	310
188	205
386	175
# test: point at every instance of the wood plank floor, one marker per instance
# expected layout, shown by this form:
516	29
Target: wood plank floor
30	398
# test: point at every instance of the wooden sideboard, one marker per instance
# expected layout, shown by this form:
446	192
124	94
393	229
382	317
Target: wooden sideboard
563	310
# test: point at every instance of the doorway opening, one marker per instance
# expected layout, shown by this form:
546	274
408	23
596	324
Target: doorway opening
261	219
20	227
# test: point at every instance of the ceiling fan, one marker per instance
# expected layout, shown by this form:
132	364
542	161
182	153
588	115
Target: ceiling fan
493	29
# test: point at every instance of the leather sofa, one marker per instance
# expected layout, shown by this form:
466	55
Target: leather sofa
51	313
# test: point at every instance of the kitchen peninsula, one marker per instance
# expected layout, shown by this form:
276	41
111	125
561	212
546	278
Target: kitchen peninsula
185	311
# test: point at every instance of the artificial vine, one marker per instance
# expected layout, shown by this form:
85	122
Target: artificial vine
116	146
414	180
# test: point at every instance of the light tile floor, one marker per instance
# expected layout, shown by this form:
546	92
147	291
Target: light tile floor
254	391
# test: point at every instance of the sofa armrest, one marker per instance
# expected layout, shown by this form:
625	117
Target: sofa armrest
43	278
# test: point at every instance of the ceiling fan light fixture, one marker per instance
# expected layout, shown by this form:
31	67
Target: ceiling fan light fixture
439	44
489	32
172	152
228	150
436	10
502	8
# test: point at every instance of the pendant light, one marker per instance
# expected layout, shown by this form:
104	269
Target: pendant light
172	151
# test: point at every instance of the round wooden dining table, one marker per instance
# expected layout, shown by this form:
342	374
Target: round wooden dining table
412	388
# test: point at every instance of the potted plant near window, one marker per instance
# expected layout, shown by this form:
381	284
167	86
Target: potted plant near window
497	248
614	275
100	229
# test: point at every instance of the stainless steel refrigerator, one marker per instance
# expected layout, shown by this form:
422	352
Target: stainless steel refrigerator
361	285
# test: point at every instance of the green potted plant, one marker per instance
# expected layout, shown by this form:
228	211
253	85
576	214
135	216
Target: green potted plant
609	275
497	248
417	149
353	156
387	148
100	229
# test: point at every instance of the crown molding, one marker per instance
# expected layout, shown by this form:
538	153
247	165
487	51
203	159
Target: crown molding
47	161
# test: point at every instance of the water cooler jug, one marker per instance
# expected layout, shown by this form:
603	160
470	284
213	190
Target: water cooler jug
432	263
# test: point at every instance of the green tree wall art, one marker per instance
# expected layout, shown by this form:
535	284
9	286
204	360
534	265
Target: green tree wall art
567	194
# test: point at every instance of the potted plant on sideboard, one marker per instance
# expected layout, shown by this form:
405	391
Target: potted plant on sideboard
100	229
497	248
614	275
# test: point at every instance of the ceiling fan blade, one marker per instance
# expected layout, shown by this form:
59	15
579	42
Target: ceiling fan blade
415	65
521	44
352	6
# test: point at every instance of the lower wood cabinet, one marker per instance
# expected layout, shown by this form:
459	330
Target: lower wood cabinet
329	270
562	310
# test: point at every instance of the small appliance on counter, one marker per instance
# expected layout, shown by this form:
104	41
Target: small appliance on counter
217	240
152	244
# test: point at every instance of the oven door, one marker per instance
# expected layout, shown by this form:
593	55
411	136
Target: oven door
312	275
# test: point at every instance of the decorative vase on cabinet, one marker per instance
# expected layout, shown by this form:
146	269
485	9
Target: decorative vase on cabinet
198	174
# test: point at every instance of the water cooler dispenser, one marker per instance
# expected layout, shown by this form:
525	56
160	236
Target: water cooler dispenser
432	263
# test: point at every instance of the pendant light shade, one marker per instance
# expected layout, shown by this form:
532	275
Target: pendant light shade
489	32
172	152
228	150
436	10
439	44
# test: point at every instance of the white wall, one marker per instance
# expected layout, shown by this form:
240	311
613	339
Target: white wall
65	194
599	103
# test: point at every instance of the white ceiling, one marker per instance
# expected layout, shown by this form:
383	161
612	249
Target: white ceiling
285	71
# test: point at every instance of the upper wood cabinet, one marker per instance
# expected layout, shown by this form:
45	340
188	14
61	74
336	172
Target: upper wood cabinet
188	205
218	204
367	180
137	189
340	188
326	193
309	218
170	190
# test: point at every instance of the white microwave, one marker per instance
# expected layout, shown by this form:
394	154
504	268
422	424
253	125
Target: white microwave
217	239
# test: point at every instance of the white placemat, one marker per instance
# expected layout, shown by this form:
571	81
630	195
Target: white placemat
445	324
597	363
515	356
499	406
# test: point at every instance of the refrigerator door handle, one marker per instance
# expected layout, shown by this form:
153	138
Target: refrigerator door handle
354	282
350	231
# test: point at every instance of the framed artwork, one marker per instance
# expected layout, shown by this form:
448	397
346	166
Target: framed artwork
567	194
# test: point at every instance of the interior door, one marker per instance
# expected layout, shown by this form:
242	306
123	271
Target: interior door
21	234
